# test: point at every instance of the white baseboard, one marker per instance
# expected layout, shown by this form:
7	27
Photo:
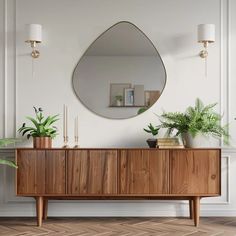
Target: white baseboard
104	209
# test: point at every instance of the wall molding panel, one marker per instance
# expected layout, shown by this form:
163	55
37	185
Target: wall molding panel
10	106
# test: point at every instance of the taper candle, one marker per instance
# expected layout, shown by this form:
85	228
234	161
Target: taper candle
66	134
65	126
64	120
75	128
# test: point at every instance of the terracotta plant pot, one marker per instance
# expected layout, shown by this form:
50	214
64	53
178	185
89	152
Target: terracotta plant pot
42	142
152	143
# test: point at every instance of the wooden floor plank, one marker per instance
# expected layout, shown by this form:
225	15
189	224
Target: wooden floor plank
118	227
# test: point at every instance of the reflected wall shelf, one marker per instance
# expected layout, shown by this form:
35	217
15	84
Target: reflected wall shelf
127	106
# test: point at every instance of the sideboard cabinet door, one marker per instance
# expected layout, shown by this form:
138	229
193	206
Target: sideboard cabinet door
144	172
92	172
195	172
55	176
30	172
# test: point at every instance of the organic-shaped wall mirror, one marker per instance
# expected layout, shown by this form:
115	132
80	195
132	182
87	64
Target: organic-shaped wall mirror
121	74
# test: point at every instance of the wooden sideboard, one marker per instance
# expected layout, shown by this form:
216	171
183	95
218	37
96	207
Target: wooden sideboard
134	173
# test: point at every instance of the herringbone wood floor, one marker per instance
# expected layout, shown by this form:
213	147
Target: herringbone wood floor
118	226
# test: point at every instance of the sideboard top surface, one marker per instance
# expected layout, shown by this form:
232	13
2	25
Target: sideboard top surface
120	148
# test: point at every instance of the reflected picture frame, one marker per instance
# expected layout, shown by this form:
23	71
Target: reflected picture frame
129	97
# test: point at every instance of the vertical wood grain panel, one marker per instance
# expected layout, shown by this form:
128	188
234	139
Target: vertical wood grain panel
55	172
77	164
159	171
30	172
134	172
195	172
92	172
144	171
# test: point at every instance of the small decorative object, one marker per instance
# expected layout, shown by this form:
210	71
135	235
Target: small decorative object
152	142
34	36
129	97
65	126
206	35
76	132
119	100
194	124
43	131
3	143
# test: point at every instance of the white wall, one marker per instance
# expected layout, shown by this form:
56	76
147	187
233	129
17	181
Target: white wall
69	27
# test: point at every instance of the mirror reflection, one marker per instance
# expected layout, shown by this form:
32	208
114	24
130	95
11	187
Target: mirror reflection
121	74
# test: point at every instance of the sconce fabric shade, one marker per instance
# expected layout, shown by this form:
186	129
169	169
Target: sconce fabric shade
34	33
206	33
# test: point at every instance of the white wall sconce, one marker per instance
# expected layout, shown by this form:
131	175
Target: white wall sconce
34	36
206	35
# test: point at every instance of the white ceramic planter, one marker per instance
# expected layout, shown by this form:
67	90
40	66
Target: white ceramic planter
198	141
118	103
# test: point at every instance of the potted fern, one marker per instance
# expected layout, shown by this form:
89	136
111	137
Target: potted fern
196	125
42	131
152	142
3	143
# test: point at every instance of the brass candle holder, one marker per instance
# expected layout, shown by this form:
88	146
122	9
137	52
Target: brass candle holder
66	139
76	142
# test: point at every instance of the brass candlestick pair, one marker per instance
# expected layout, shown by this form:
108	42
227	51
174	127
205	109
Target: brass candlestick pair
66	139
65	129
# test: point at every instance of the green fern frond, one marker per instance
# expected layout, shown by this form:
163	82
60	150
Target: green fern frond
198	119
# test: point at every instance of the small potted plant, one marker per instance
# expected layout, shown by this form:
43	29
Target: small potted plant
196	125
152	142
119	99
42	131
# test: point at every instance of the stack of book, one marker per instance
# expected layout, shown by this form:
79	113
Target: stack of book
169	143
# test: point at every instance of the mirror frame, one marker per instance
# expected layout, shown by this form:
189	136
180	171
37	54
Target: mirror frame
124	21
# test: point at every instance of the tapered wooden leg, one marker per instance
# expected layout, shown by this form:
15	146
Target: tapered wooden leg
39	210
196	204
191	209
45	208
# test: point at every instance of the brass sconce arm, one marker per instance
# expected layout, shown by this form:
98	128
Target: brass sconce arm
35	53
204	52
